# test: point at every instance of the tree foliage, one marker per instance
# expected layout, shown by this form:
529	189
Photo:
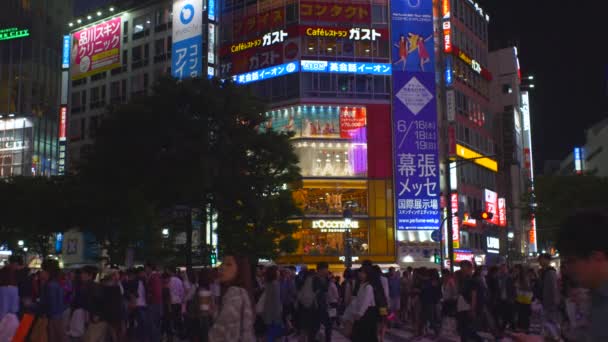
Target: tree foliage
559	196
197	144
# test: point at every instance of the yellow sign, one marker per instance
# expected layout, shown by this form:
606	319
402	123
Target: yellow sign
478	159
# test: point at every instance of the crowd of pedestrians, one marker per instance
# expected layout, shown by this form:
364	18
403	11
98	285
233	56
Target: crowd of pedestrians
237	302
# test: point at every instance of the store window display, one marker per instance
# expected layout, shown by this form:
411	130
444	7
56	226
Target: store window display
331	201
314	242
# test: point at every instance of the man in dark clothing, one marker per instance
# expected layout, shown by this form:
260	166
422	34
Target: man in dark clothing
467	311
321	286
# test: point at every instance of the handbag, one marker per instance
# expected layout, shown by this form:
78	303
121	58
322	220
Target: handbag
40	330
24	328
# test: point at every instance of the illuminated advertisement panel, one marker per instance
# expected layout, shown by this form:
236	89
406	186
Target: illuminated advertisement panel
63	116
65	54
186	52
258	23
447	37
313	66
96	49
463	255
579	160
466	153
353	121
335	12
502	212
445	9
472	63
491	202
416	154
455	221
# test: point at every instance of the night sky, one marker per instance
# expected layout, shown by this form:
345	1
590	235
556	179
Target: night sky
561	43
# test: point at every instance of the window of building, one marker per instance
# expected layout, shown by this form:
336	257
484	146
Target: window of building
506	89
316	241
141	26
379	14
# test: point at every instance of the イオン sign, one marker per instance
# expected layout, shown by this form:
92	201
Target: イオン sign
13	32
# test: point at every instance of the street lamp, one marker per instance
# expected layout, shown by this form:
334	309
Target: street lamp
165	232
511	235
348	240
20	243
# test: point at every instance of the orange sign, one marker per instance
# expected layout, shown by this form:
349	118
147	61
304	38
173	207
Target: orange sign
445	8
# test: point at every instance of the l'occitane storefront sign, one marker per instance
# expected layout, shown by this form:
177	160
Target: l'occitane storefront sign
334	226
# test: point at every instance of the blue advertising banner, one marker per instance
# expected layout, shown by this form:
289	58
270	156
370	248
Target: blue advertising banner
266	73
65	55
186	52
416	153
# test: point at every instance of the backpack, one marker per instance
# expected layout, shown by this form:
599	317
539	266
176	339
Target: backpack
307	296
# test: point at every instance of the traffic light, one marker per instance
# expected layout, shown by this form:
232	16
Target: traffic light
437	258
213	258
482	215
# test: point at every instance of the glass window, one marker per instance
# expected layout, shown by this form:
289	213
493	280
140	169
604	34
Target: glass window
142	23
331	201
332	158
379	14
316	241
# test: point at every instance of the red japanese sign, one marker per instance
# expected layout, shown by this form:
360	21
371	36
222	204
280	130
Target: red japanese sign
491	200
455	223
445	8
96	49
334	12
463	256
259	23
63	117
502	212
447	37
353	121
253	59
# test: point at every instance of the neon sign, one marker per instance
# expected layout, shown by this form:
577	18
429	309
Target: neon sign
447	37
13	33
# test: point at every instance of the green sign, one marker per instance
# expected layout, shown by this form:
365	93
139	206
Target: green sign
13	32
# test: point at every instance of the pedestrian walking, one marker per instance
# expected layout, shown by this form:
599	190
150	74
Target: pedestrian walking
235	316
363	308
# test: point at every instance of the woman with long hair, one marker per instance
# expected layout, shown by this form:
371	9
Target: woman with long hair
235	316
364	310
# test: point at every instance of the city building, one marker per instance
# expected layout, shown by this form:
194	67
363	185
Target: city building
30	56
140	52
471	128
323	67
510	103
590	158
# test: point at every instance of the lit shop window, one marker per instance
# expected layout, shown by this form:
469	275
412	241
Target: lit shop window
323	122
332	158
326	238
331	201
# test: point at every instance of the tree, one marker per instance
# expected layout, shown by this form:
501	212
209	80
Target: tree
32	209
559	196
193	144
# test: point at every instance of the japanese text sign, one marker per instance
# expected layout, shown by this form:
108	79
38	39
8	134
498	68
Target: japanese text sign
334	12
263	74
502	212
63	117
455	220
353	121
96	49
259	23
491	201
416	154
65	54
187	54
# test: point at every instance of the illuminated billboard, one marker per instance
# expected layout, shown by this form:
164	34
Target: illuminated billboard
65	54
491	205
13	33
579	160
502	212
96	49
415	137
477	158
313	66
320	11
186	52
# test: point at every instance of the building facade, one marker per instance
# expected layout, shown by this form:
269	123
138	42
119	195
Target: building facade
324	69
30	54
510	102
592	157
471	133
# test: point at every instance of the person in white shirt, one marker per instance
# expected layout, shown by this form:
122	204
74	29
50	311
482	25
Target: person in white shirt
177	294
363	310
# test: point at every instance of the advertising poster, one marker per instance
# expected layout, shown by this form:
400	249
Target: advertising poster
491	200
416	157
353	121
502	212
186	52
96	49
